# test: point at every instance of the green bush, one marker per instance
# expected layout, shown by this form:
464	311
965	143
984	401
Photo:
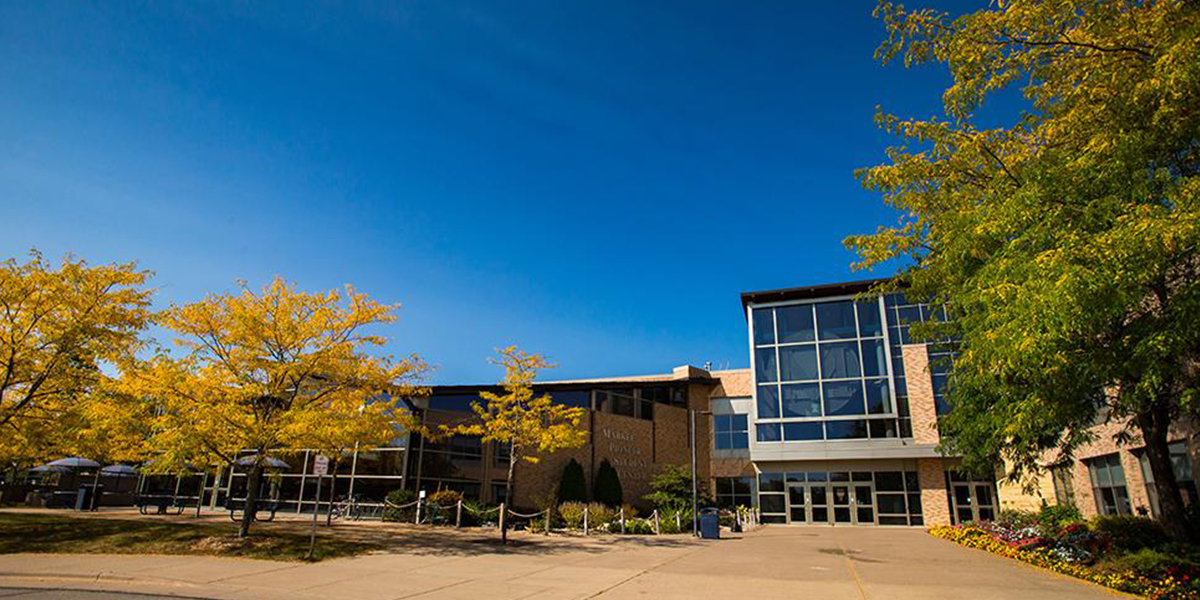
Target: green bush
673	489
572	487
1129	533
477	513
667	521
1018	519
572	514
1153	561
607	488
600	515
445	498
399	497
1053	518
638	526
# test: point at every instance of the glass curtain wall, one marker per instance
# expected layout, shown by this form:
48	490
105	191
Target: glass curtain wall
822	372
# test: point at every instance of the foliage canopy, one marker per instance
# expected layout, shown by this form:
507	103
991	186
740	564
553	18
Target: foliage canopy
1066	243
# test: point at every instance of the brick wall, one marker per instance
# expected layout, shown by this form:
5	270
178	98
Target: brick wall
932	477
921	405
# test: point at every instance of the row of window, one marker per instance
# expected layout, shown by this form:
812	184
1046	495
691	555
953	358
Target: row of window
1110	490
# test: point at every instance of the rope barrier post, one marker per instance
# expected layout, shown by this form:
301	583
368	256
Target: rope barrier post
503	524
678	525
657	527
585	521
458	515
622	520
417	519
547	521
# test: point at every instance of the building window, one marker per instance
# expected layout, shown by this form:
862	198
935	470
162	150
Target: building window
1064	489
733	492
1181	464
821	370
901	314
730	432
1108	485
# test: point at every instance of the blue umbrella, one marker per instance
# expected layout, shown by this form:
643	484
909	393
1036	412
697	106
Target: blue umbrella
119	470
269	462
74	462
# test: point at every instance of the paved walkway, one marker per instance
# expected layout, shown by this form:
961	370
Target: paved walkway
772	563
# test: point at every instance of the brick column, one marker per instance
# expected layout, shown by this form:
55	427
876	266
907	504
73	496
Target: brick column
931	475
920	394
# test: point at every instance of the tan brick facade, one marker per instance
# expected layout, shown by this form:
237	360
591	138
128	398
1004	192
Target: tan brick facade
921	404
931	474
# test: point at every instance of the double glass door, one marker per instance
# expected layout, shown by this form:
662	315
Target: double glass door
973	501
831	503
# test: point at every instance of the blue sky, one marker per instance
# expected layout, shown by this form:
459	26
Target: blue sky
596	181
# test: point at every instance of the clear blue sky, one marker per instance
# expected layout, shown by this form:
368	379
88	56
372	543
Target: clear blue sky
596	181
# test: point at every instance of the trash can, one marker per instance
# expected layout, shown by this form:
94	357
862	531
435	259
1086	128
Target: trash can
83	500
710	524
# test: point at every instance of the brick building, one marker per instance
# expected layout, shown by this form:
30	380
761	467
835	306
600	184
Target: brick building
834	423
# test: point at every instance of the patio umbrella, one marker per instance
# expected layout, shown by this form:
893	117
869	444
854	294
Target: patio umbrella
50	469
269	462
119	470
74	462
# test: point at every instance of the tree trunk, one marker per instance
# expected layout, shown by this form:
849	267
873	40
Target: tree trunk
508	484
252	483
1155	424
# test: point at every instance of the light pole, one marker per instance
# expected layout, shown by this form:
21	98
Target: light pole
695	488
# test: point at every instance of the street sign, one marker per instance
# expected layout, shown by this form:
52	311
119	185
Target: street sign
321	465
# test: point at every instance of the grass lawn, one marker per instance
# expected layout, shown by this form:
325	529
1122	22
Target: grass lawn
70	535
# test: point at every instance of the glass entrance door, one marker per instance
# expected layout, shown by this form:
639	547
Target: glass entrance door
831	503
818	496
973	502
840	495
797	507
864	504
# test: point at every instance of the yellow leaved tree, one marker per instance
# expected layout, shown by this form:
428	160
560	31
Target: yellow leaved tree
529	425
271	372
59	327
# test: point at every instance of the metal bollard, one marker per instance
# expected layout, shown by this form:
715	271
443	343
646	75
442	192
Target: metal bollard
417	518
622	520
458	515
657	527
547	521
585	521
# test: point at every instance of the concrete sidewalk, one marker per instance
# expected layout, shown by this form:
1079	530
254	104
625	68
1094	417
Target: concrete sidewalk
772	563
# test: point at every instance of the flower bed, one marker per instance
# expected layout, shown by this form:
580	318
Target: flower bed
1068	554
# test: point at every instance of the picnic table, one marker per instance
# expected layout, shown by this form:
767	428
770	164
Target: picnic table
163	503
262	505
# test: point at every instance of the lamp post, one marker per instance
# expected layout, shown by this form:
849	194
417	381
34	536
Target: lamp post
695	488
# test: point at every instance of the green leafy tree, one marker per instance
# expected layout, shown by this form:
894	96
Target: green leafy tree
1066	242
572	487
673	490
607	487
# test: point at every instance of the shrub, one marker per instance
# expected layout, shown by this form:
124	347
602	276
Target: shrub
399	497
1053	518
607	488
445	498
572	514
1129	533
1018	519
638	526
672	489
1172	559
599	515
572	487
477	513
